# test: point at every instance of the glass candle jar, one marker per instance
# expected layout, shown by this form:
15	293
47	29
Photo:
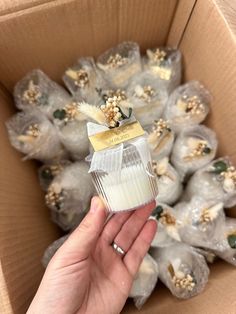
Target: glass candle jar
131	184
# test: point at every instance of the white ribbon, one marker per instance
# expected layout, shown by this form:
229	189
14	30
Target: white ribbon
109	160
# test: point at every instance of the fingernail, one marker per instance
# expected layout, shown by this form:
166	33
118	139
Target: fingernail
151	218
95	204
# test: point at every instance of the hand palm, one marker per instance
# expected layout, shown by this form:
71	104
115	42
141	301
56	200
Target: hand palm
87	275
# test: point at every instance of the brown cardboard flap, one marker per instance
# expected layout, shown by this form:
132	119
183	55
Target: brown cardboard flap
25	227
11	6
180	21
52	36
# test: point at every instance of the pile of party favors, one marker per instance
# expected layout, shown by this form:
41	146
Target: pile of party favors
194	187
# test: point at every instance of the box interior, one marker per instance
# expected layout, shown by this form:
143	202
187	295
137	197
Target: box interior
51	35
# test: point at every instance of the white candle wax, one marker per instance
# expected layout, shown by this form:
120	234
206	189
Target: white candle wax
126	189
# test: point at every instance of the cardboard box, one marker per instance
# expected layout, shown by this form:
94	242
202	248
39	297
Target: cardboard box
51	35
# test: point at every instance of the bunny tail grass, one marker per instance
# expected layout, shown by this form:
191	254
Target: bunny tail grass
92	112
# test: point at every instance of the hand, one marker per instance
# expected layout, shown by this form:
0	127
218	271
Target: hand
87	275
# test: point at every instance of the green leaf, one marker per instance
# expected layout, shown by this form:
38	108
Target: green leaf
219	166
157	212
47	174
59	114
232	240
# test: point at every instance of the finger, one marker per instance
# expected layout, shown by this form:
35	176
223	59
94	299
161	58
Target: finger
82	241
140	247
133	226
113	226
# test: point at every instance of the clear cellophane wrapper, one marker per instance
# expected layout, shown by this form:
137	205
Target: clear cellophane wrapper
160	141
168	182
193	149
74	137
31	133
118	74
84	80
37	90
209	256
48	172
188	105
201	222
69	195
181	269
168	220
147	97
167	69
123	174
212	181
227	245
51	250
145	281
161	238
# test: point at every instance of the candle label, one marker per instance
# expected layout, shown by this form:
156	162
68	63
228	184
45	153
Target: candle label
116	136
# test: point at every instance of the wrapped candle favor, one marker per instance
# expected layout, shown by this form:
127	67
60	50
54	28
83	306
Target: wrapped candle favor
168	181
227	246
201	222
215	181
187	106
51	250
120	63
69	195
83	80
181	269
36	90
147	97
145	281
165	64
72	129
167	220
160	139
121	164
48	172
31	133
194	148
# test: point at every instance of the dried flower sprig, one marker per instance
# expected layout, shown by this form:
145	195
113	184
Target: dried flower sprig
116	61
31	134
109	114
80	77
145	93
157	56
199	148
160	168
209	214
119	93
161	136
54	198
191	105
32	95
70	112
160	126
229	179
180	279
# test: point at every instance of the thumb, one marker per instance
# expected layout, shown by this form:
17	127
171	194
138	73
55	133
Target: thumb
82	241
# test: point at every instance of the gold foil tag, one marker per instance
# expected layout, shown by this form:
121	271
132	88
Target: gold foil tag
164	73
116	136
